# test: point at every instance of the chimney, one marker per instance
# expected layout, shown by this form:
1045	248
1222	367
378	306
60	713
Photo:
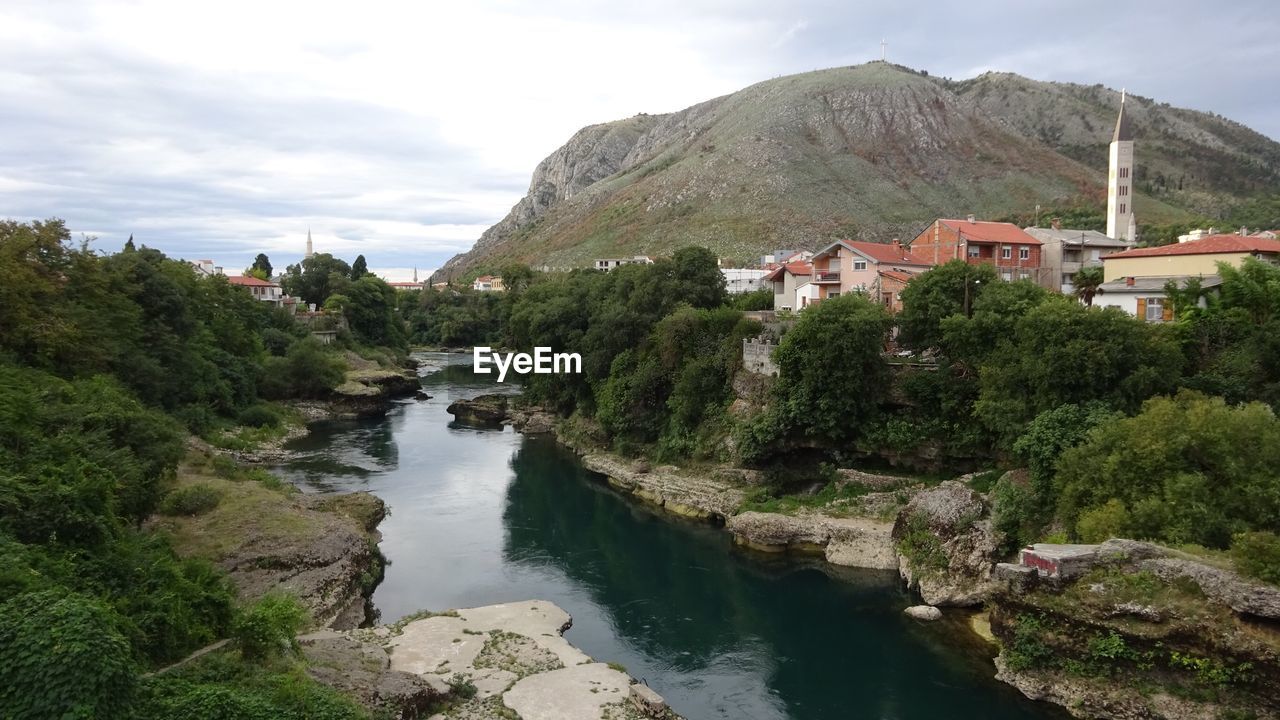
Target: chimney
896	245
972	218
1243	231
1056	223
1129	281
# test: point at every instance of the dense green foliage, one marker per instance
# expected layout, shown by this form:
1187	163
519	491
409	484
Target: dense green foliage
62	656
103	361
1187	469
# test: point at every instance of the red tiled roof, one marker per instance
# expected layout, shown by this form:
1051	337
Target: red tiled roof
897	275
795	268
249	281
984	231
1208	245
884	252
484	278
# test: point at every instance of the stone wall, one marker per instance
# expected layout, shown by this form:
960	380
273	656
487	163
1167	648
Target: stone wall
757	357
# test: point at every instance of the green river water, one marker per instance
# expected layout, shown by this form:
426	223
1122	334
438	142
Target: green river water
488	516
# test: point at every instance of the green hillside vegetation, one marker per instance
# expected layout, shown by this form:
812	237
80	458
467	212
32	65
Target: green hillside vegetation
107	364
873	152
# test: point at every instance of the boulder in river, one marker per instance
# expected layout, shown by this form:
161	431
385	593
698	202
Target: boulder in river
484	410
924	612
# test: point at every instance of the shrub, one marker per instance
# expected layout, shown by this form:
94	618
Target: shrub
922	549
1015	513
1257	554
258	416
191	500
1103	523
62	656
1027	649
268	626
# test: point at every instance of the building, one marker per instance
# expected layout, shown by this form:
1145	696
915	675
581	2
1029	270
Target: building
607	264
406	285
778	257
488	283
1194	258
1144	297
1064	252
263	290
806	295
877	270
785	279
310	248
1121	221
743	280
206	267
1014	253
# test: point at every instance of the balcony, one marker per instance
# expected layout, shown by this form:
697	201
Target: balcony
827	277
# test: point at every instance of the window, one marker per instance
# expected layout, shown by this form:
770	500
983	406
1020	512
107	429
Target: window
1024	274
1155	310
859	264
1007	276
1122	190
973	251
1006	253
1124	172
1024	253
833	294
1121	208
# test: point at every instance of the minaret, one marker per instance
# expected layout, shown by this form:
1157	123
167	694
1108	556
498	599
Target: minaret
1120	180
310	250
415	274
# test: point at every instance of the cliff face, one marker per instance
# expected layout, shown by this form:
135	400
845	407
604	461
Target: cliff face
871	152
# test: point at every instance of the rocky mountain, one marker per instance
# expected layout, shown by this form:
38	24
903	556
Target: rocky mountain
871	152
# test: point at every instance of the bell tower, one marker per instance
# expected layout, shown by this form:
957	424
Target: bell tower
1120	218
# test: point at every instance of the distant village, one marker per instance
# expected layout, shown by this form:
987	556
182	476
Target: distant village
1130	278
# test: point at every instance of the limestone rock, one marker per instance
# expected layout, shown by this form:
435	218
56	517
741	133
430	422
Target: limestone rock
952	525
1248	597
481	410
924	612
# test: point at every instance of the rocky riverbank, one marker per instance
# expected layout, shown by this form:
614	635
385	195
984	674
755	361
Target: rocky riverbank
320	548
498	661
1141	631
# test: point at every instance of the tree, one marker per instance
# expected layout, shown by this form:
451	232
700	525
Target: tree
950	289
1186	469
262	264
359	268
1086	282
370	311
832	368
516	277
316	278
1061	352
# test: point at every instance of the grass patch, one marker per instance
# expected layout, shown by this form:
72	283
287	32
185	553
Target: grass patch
764	499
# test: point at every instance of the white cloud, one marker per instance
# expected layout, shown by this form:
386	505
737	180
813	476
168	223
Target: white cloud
403	129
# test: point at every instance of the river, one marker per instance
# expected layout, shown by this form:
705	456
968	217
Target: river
488	516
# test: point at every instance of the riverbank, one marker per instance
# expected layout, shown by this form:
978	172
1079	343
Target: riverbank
268	537
496	661
1161	635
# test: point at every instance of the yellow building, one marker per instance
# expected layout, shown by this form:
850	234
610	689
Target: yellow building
1188	259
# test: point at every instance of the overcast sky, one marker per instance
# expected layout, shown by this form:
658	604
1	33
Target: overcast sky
403	130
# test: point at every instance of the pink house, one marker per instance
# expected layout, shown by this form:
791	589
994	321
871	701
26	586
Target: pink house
877	270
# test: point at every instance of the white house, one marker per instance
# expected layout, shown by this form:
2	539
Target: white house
743	280
806	294
1144	297
263	290
607	264
488	283
206	267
